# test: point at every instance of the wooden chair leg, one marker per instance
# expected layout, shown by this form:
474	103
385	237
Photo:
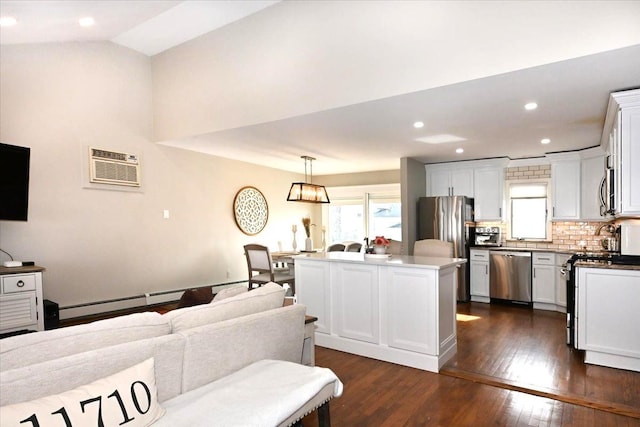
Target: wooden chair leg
324	417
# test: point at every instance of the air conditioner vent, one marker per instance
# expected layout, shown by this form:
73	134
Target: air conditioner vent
110	167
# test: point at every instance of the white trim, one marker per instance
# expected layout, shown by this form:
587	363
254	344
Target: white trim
358	191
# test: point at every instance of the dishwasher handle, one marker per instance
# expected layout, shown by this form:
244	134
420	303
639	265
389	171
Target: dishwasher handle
510	254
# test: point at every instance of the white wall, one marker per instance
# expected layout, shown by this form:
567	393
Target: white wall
299	57
98	245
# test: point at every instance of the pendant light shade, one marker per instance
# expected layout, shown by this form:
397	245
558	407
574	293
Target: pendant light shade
306	191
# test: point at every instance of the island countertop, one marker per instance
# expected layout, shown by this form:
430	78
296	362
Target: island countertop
432	263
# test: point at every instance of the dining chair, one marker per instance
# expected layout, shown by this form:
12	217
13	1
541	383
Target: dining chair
336	247
395	247
261	269
433	247
353	247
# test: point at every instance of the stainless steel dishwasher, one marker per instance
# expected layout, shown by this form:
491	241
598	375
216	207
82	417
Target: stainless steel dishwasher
510	276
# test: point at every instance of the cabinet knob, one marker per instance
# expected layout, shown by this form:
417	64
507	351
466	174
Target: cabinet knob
20	284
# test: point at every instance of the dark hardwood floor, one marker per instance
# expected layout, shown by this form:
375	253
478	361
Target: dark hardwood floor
527	348
513	368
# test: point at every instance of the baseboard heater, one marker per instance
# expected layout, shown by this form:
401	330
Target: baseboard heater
152	298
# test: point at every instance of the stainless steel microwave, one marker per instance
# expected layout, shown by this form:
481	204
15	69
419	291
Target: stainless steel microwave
607	189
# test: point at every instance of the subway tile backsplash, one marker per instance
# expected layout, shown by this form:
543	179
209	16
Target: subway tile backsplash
528	172
566	235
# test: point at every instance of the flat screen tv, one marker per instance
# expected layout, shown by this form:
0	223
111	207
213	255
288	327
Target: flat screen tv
14	182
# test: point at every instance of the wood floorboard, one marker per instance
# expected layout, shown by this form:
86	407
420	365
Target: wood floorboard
513	368
526	347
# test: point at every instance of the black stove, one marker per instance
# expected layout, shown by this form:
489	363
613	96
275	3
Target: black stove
605	258
596	258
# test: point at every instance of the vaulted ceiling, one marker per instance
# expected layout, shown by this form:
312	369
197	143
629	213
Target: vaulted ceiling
491	59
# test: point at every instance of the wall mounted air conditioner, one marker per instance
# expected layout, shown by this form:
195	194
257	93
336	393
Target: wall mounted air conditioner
110	167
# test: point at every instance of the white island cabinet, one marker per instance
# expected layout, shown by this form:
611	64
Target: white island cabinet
400	310
607	320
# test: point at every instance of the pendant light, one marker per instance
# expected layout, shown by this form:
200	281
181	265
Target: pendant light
306	191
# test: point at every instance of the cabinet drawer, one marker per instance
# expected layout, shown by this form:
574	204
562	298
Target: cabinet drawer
544	258
479	255
18	283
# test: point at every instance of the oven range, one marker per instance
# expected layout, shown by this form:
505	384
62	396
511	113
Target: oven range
570	274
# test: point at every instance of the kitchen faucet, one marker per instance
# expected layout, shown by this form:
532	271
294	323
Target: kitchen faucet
610	228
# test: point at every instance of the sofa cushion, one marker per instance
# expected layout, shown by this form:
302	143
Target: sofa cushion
24	350
265	393
267	297
65	373
218	349
129	396
229	292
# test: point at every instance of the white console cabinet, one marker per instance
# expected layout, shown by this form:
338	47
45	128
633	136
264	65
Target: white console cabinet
21	303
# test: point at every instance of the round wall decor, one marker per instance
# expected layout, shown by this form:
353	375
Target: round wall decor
250	210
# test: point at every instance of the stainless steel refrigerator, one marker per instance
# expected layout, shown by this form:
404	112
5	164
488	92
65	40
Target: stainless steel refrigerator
449	218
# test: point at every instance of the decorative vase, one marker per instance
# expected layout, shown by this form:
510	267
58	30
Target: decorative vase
294	244
380	250
308	244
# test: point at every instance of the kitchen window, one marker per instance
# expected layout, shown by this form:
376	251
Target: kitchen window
363	211
528	217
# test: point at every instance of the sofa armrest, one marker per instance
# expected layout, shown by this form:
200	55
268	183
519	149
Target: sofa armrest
219	349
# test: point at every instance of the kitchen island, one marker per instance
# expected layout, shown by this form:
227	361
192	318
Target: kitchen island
400	309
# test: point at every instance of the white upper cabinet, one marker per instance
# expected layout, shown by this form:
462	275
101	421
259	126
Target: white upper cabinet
565	179
489	193
592	173
621	137
447	180
630	160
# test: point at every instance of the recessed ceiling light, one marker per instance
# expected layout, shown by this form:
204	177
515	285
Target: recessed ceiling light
545	141
418	125
87	21
459	150
8	21
440	139
530	106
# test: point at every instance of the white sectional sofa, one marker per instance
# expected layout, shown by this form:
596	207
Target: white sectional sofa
233	362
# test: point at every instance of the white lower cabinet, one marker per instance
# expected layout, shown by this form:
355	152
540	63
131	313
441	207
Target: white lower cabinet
549	285
543	279
479	272
356	290
316	293
606	317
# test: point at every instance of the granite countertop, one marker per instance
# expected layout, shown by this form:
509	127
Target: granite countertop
513	249
591	264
